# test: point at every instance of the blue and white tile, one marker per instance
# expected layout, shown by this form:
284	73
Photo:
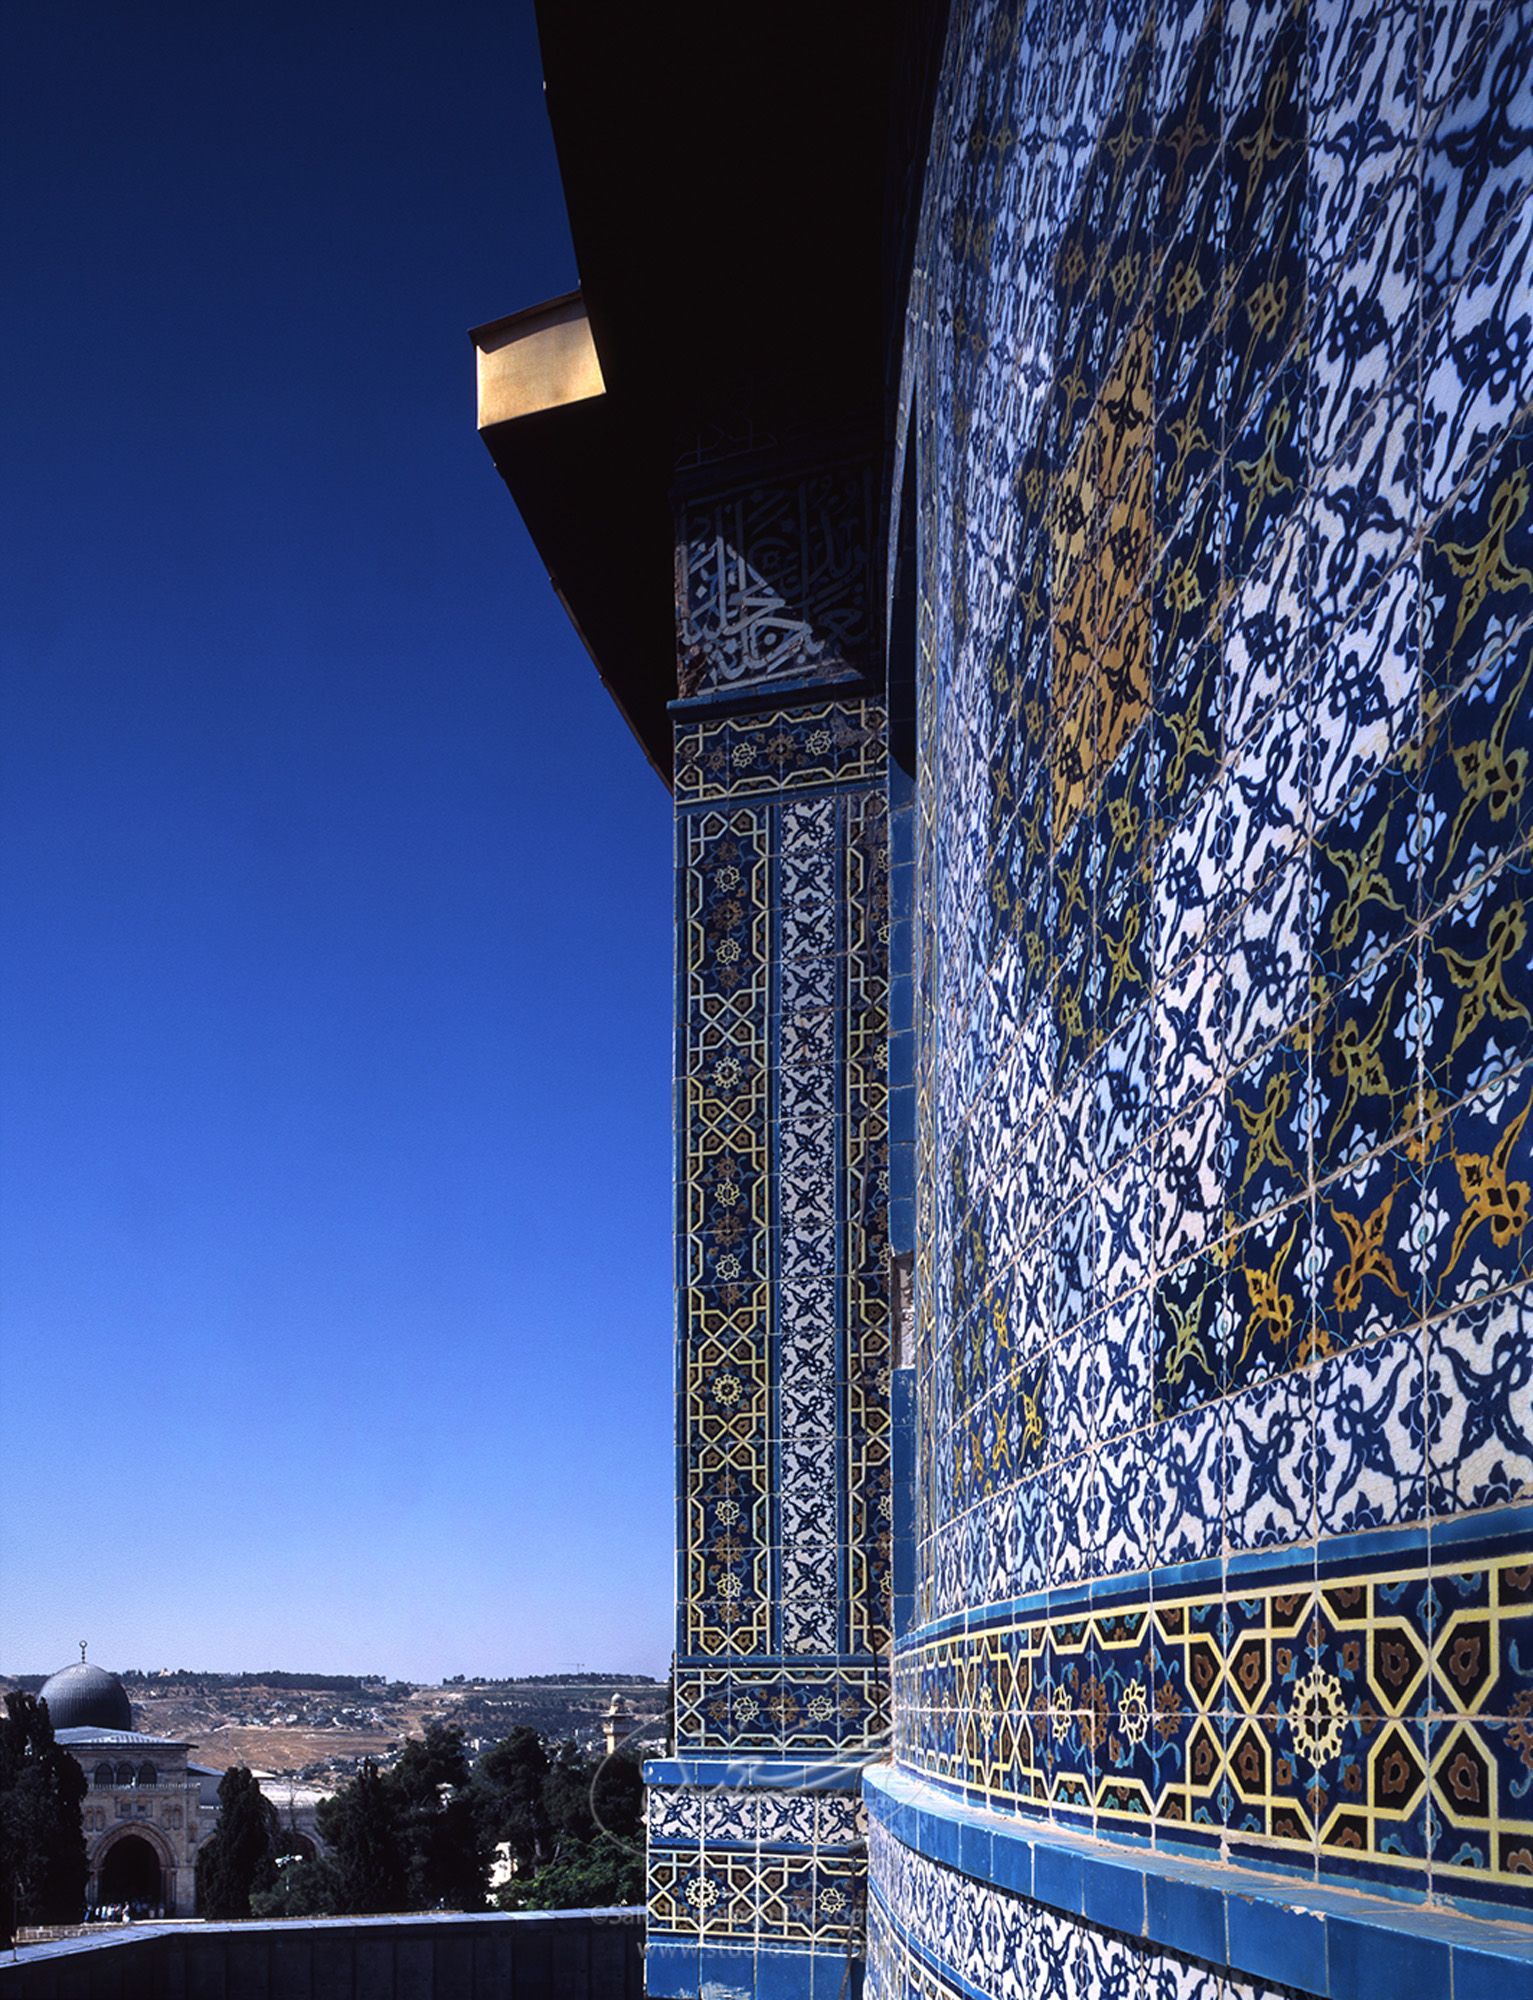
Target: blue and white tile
1268	640
1367	689
1368	320
1269	1450
1123	1226
1477	159
1269	962
1370	1436
1167	1977
1192	1157
1453	33
673	1813
1074	1418
1191	879
1178	28
1187	1473
1189	1017
1250	33
1365	509
1269	792
1477	363
1363	113
730	1816
1480	1404
1075	1551
1121	1506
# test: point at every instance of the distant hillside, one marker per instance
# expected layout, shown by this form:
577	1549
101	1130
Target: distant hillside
319	1727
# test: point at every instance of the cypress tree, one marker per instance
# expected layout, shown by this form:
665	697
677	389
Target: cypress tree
445	1853
508	1785
361	1825
237	1856
42	1834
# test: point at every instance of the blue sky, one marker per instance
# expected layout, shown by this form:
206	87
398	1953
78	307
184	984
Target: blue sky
334	1046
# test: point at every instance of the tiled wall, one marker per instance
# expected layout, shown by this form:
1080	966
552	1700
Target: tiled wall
756	1861
783	1349
1219	370
758	1868
934	1933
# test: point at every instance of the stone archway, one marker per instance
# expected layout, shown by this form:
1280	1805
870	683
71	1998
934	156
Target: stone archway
132	1869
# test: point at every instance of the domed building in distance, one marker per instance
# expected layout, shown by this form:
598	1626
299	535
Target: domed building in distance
144	1812
81	1696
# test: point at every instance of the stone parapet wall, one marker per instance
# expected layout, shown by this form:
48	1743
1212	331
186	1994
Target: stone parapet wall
544	1955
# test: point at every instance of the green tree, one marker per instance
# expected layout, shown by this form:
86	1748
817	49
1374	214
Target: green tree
508	1793
617	1797
445	1853
594	1811
42	1837
567	1798
361	1826
601	1876
237	1856
302	1887
419	1835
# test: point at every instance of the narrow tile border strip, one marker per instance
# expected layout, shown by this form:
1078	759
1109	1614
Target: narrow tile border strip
791	1774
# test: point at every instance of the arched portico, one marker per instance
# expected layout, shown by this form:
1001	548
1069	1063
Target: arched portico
133	1863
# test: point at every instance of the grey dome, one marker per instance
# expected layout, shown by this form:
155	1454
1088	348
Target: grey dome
86	1697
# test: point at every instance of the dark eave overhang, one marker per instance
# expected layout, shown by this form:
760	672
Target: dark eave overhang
729	180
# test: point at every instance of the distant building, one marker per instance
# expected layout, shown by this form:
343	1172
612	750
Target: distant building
146	1810
618	1724
149	1807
